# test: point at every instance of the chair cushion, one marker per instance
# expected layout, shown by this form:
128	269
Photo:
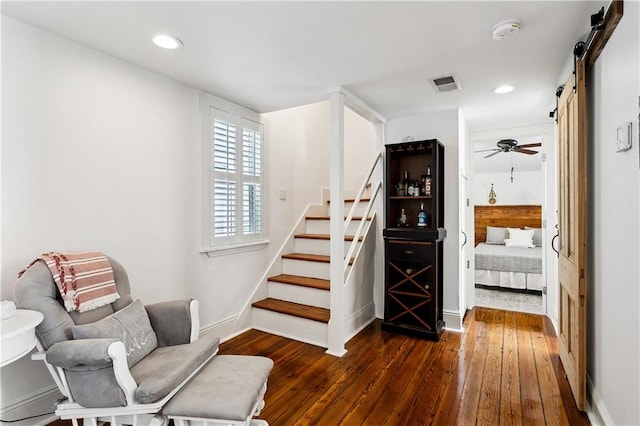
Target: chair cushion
228	389
131	325
166	367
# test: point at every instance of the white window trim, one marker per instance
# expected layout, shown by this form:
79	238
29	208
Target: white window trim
227	246
234	248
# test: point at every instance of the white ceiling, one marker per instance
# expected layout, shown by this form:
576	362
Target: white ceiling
274	55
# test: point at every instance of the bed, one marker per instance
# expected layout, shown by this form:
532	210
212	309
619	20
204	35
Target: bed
516	264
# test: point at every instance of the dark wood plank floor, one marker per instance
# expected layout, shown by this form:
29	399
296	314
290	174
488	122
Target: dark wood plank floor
503	370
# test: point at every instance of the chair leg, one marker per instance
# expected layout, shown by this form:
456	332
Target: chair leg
159	420
259	408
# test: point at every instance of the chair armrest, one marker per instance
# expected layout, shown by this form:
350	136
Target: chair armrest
175	322
88	356
74	353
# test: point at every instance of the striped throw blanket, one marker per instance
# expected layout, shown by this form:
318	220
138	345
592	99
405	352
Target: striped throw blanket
84	279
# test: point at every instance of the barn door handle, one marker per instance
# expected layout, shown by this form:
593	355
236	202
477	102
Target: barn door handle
553	247
465	240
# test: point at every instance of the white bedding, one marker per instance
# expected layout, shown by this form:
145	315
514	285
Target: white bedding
510	267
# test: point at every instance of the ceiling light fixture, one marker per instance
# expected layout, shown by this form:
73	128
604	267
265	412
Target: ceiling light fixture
166	41
503	89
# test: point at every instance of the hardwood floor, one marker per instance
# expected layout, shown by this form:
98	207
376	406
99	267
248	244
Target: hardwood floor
504	370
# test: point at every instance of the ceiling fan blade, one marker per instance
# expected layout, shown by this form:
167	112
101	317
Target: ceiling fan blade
487	150
526	151
529	145
495	153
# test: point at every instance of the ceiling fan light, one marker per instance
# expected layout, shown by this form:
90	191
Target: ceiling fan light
166	41
503	89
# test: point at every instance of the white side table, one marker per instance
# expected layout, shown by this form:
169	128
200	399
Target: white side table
18	335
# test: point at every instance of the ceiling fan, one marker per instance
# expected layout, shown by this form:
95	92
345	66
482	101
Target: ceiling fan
511	145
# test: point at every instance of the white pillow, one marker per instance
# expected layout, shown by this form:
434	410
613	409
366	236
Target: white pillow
496	235
520	238
537	236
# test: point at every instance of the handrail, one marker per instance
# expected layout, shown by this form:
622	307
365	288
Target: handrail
363	221
276	258
361	191
356	201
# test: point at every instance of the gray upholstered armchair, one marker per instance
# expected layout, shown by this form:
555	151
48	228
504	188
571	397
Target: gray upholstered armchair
122	362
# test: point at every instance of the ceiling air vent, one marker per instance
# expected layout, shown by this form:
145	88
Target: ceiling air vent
447	83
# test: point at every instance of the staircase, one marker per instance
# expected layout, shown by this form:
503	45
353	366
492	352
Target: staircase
297	303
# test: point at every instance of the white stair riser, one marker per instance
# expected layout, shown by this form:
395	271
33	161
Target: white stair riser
362	206
304	330
311	246
322	227
305	268
299	294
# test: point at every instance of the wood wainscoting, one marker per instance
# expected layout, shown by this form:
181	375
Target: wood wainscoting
505	216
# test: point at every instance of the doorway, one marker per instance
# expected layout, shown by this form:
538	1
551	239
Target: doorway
518	180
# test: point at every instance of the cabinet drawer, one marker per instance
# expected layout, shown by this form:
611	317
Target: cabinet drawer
419	251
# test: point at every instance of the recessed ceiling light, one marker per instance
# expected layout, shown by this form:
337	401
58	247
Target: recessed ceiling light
166	41
503	89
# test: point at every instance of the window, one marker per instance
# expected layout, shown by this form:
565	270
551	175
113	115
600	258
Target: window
236	210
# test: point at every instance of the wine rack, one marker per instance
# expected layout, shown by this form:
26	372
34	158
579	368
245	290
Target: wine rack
413	255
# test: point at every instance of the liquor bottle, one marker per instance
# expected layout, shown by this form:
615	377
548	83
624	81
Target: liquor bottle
405	183
427	182
403	220
422	217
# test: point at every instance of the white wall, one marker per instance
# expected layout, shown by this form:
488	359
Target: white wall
298	160
99	154
526	188
613	292
441	125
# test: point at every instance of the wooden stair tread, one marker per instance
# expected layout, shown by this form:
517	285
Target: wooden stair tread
324	237
301	281
315	217
310	257
295	309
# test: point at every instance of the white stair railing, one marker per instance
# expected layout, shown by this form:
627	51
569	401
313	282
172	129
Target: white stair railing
375	190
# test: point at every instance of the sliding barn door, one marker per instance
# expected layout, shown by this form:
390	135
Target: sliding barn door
571	218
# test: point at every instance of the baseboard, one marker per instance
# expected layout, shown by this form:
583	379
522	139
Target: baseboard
42	401
290	336
224	328
452	321
597	412
361	319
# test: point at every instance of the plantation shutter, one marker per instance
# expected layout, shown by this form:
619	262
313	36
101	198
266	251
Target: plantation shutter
236	210
224	156
251	178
